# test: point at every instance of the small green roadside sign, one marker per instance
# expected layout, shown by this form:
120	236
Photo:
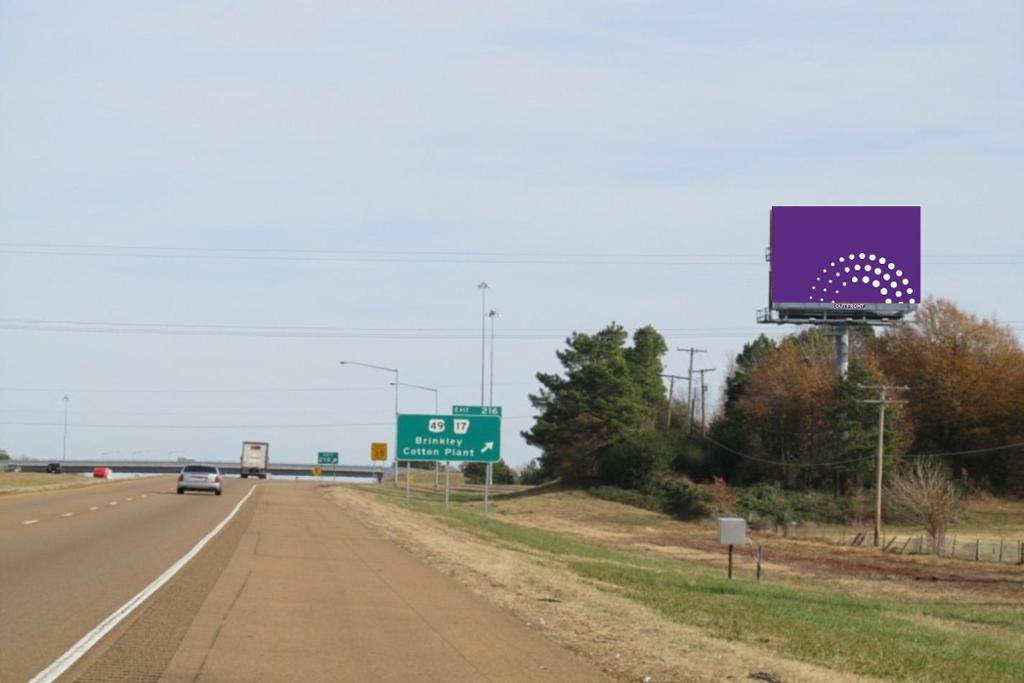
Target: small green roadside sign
467	438
324	458
477	410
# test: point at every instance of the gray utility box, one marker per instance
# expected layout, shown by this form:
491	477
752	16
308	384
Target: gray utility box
732	530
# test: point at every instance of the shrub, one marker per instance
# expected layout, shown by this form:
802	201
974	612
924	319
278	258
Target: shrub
682	498
721	498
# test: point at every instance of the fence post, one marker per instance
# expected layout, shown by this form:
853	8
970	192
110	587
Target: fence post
977	550
905	544
1000	551
953	553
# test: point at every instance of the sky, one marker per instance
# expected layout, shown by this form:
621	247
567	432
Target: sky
204	207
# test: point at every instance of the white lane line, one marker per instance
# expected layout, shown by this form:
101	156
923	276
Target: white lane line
94	507
30	521
144	495
62	663
113	502
131	499
67	514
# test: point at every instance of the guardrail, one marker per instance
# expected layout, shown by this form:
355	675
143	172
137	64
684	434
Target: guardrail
164	467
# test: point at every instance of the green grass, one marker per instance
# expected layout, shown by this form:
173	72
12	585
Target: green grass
871	637
813	621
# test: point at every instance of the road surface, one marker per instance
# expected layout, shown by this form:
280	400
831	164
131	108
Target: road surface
293	588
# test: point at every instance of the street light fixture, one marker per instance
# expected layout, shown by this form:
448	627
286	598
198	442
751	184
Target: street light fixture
396	384
437	464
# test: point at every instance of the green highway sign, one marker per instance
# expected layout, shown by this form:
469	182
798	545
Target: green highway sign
465	438
323	458
477	410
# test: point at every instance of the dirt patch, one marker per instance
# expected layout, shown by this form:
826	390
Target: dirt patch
631	641
863	570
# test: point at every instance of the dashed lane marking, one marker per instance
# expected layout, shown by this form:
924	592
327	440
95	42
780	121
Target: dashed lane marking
94	507
67	514
62	663
30	521
113	502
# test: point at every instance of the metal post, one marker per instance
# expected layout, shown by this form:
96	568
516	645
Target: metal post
492	315
407	478
64	452
487	489
842	334
446	480
483	335
396	428
730	561
489	473
437	465
760	557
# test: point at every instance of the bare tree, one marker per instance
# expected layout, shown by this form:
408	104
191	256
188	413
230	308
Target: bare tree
925	493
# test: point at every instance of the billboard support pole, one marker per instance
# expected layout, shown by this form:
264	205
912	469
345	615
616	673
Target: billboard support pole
842	334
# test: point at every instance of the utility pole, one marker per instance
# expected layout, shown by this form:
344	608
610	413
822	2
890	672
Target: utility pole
64	455
883	400
671	393
703	392
689	382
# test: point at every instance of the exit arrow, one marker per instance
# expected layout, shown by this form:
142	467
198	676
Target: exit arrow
488	446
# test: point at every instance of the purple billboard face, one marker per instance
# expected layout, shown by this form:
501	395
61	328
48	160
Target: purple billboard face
845	256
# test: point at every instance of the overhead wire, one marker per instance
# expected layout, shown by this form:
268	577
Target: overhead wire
524	257
833	463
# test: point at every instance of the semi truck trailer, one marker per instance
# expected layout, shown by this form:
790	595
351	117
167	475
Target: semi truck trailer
255	459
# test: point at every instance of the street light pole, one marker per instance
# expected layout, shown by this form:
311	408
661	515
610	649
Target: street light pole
492	314
64	455
396	383
436	466
483	334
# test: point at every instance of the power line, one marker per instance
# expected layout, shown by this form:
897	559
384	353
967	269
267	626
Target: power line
301	333
435	256
781	463
833	463
238	391
327	425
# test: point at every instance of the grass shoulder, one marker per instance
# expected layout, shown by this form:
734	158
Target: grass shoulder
811	618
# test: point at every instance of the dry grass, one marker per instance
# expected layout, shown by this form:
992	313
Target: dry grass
30	482
630	640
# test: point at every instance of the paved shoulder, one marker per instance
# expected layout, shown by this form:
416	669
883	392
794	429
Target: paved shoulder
311	594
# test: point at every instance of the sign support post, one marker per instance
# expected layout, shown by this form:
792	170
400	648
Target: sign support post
446	480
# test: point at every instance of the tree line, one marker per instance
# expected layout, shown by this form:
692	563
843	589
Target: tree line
785	418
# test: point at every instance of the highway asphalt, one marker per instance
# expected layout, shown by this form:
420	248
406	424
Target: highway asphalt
68	559
293	588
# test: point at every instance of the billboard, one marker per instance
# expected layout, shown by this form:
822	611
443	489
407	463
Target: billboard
845	261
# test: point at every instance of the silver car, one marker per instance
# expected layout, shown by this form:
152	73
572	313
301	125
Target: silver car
199	478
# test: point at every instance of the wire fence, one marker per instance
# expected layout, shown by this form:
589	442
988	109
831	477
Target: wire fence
957	547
